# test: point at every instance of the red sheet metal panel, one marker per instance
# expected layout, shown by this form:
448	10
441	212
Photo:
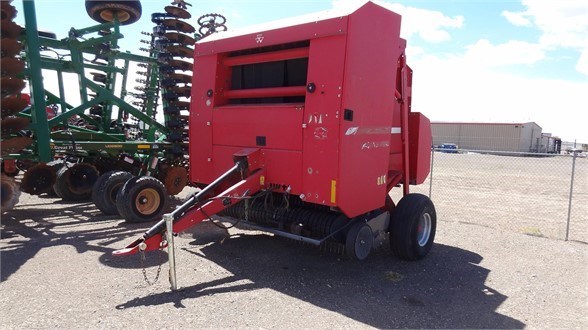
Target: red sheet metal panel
280	166
201	120
273	36
368	91
321	119
278	126
287	54
421	140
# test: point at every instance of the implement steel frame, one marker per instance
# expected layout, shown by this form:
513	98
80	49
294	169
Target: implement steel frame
54	134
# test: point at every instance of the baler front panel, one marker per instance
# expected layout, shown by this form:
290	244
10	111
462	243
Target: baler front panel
322	114
279	165
268	126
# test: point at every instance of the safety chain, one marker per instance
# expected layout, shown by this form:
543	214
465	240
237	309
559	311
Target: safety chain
143	259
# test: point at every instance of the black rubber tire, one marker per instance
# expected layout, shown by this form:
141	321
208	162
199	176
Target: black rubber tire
142	190
9	193
404	227
359	241
101	10
106	189
75	182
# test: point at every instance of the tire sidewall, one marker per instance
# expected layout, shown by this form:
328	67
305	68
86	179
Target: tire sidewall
128	194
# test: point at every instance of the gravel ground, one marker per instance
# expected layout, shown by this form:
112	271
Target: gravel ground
57	271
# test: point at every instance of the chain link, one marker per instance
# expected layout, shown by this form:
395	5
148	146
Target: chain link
144	270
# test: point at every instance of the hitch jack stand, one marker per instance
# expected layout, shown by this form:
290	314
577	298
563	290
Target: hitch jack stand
169	224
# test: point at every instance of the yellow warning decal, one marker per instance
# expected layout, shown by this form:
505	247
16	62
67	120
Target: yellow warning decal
333	191
144	146
262	180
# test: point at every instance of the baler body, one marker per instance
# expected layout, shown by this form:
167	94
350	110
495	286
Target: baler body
300	129
322	100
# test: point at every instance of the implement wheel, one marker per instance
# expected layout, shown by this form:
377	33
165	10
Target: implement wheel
127	12
9	193
359	241
74	183
39	179
412	227
142	199
106	189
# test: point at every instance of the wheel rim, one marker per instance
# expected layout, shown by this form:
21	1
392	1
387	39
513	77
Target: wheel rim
109	14
424	229
363	242
147	201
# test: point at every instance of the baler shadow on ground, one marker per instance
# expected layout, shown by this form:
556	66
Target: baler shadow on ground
445	290
79	225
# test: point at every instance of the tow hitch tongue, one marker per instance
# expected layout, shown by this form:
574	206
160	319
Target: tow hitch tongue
197	208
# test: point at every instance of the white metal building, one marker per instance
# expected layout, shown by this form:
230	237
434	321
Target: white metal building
522	137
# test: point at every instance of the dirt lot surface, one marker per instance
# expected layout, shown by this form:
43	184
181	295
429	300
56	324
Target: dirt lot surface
57	271
527	195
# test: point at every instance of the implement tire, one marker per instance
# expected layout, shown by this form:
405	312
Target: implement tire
412	227
127	12
106	189
142	199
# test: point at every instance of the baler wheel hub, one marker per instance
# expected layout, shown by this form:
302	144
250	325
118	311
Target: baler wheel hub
359	241
424	229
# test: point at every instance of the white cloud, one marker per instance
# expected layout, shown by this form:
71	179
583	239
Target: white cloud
582	65
430	25
517	19
456	89
484	53
413	51
562	23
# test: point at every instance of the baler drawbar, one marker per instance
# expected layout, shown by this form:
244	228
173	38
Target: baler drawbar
198	207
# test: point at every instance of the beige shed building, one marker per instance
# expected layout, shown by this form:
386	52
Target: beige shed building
521	137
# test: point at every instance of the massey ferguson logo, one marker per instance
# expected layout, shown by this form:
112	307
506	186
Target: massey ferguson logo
259	38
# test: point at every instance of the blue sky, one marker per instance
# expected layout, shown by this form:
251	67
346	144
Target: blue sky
483	61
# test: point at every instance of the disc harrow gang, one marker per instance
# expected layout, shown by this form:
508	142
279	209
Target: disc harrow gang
39	179
11	85
114	126
174	50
